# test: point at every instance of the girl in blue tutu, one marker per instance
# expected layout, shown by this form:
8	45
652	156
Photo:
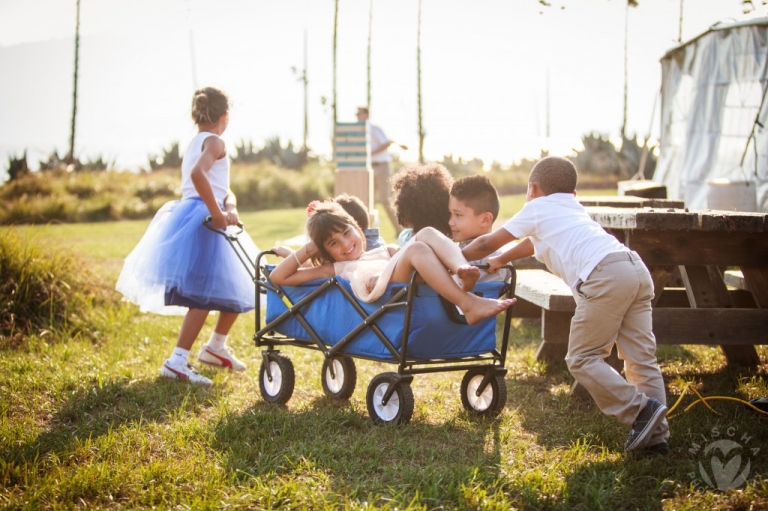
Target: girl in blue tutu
180	264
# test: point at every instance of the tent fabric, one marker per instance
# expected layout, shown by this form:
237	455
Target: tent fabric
432	334
712	89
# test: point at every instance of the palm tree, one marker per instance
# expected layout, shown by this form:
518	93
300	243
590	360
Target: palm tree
630	3
422	134
335	29
71	154
370	31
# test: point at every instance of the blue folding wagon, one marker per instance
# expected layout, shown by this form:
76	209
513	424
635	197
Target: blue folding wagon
410	326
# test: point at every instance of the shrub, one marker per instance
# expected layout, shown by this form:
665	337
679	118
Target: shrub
17	167
43	290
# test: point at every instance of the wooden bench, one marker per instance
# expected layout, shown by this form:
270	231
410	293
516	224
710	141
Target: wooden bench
539	291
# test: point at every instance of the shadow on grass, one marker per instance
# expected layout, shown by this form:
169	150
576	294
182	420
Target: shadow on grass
338	443
94	412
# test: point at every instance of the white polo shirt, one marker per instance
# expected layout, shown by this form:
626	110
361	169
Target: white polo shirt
564	236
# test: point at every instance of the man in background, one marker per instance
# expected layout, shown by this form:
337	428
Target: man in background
380	161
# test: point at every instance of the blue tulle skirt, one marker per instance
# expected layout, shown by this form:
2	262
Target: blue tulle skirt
179	263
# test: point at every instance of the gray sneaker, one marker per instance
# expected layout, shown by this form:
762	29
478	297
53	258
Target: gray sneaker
645	424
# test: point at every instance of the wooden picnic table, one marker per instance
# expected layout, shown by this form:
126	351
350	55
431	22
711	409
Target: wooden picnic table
702	244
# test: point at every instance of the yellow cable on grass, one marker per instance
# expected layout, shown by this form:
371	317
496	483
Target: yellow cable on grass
704	401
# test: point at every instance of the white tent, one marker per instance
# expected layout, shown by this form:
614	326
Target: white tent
714	114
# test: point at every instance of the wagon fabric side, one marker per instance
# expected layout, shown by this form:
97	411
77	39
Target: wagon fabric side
432	333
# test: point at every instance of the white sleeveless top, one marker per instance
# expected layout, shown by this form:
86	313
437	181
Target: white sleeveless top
218	175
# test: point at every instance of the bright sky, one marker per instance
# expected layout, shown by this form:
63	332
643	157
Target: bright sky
485	65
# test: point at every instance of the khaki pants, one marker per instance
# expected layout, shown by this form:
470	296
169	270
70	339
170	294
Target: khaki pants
614	306
381	189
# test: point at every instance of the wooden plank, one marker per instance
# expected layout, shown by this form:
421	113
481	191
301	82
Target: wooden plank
705	287
678	297
757	281
525	309
556	326
660	276
735	278
699	247
733	221
643	218
721	326
706	290
628	201
545	290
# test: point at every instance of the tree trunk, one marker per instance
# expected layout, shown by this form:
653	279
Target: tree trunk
71	154
418	86
370	31
335	30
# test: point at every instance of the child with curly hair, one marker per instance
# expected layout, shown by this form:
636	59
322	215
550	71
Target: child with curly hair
420	199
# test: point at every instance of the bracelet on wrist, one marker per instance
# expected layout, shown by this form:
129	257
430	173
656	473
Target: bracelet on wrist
297	258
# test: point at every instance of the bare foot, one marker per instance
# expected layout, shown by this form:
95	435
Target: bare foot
469	275
485	308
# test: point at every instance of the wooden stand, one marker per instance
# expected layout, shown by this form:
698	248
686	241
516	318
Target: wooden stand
354	173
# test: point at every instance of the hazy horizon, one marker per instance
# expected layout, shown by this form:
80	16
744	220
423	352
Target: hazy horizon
484	72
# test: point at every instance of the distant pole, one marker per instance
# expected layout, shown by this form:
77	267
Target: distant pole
370	31
192	47
305	79
680	25
418	86
71	155
335	29
547	105
192	58
626	39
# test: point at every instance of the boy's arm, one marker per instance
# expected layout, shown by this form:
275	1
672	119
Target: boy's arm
487	244
522	249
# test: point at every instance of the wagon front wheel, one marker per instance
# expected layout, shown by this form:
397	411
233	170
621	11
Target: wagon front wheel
491	400
276	385
398	409
341	383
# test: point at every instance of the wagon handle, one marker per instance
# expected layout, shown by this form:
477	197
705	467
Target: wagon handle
207	222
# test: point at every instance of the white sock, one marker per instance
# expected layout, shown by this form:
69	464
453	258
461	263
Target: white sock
217	341
179	356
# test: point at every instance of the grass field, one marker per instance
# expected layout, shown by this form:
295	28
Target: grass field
87	423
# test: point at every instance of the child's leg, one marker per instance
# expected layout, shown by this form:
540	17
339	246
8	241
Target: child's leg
421	257
604	299
450	256
190	328
224	322
637	347
215	351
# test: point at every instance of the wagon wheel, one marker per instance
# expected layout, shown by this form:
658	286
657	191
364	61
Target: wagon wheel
399	408
340	384
279	388
489	402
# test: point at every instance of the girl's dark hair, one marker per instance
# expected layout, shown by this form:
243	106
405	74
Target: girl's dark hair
208	105
326	218
420	196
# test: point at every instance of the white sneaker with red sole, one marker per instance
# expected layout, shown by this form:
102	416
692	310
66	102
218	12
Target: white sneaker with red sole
184	372
222	358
